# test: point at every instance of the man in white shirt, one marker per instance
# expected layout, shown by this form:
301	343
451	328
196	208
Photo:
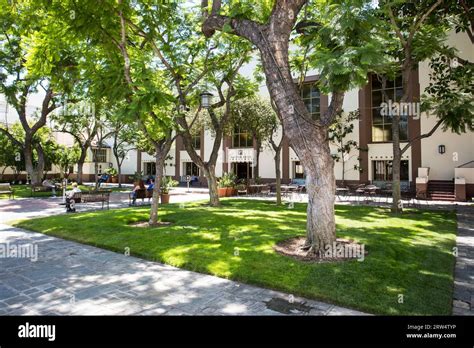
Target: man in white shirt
70	203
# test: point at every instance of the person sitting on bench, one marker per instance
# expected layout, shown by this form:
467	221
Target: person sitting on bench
151	186
139	186
49	184
103	178
69	196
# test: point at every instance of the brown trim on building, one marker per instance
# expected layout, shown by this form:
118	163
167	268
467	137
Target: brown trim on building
226	143
365	130
414	126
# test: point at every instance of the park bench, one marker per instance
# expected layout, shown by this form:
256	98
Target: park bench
141	194
92	197
6	189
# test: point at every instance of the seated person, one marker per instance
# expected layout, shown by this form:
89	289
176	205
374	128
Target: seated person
103	178
149	189
69	195
50	184
138	186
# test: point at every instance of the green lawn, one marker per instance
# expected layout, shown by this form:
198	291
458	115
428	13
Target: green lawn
24	191
409	255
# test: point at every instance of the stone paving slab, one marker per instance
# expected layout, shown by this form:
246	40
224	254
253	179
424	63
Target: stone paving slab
69	278
463	297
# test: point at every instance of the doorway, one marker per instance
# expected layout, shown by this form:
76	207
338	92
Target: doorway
243	170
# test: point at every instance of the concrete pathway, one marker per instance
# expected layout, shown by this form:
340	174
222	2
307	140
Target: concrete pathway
463	301
68	278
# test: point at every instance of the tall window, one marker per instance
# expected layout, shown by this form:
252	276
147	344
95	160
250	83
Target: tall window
382	124
190	168
150	168
298	170
99	154
196	141
383	170
312	99
242	138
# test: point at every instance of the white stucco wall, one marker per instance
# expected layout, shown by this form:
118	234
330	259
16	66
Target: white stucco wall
459	148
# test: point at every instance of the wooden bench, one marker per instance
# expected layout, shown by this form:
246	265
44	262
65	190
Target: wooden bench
92	197
141	194
6	189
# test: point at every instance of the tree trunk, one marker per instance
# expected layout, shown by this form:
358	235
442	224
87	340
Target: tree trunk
278	175
35	172
397	205
308	138
210	173
119	173
256	168
311	143
80	165
159	163
96	174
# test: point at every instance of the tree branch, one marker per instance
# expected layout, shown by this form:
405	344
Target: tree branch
422	136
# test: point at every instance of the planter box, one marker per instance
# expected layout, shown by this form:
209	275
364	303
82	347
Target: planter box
222	191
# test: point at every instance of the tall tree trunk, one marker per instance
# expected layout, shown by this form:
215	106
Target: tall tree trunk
210	173
159	163
35	172
278	175
256	168
119	173
397	205
96	174
308	138
80	165
311	143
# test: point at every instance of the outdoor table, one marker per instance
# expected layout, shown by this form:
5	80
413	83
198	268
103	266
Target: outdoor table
256	187
286	189
341	191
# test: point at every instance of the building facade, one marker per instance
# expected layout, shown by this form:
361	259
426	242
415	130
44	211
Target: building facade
445	158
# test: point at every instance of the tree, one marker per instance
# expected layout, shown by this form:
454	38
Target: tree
65	158
338	135
269	29
258	118
123	135
81	121
11	155
414	32
26	67
191	62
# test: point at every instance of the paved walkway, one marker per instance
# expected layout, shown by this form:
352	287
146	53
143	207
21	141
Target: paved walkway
69	278
463	302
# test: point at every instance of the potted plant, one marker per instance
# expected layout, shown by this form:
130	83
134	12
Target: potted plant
112	172
167	183
230	181
222	187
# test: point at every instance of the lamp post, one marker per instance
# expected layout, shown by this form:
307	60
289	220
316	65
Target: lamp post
206	99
